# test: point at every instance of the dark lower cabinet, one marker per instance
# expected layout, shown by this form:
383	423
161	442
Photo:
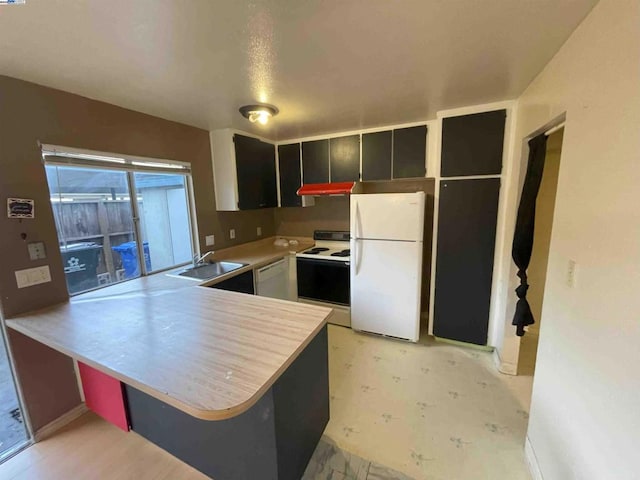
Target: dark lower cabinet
472	144
242	283
467	217
376	155
410	152
344	158
290	174
273	440
315	161
256	171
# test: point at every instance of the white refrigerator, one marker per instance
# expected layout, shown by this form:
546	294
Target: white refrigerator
386	263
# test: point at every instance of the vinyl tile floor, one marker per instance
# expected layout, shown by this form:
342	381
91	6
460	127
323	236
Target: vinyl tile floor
329	462
429	411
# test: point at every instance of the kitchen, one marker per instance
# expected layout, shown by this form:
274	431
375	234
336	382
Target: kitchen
287	267
394	402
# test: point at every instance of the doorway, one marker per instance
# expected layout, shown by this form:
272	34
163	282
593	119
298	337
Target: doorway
537	271
13	430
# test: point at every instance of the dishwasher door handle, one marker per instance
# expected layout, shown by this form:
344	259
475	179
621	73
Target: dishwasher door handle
272	265
279	264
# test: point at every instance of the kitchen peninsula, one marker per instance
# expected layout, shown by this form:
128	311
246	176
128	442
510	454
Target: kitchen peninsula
233	384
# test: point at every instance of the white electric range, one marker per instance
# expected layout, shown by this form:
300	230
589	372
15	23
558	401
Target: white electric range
324	274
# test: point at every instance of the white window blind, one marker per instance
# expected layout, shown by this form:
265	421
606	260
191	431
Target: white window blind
69	156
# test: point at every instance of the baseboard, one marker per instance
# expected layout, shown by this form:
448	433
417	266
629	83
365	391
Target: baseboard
484	348
63	420
506	368
532	461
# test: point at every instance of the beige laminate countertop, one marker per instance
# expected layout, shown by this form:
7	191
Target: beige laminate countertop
253	254
208	352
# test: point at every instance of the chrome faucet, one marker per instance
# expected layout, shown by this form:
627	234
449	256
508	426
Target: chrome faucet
200	260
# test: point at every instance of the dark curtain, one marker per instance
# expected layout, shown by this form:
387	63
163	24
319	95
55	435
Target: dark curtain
523	235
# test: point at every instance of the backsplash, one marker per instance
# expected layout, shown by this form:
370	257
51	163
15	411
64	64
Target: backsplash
329	213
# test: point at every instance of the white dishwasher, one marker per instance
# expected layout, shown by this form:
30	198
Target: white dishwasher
273	280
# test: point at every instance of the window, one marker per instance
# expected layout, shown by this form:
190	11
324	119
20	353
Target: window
110	212
164	219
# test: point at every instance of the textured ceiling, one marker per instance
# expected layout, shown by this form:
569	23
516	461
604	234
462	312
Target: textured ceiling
328	65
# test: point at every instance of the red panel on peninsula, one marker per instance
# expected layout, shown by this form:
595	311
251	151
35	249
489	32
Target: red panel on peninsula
104	395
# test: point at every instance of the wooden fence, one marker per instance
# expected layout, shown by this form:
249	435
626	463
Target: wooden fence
108	223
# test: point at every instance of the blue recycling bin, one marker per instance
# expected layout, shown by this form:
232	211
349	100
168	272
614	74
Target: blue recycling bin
129	254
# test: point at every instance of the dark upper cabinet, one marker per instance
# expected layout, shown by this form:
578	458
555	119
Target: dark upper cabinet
256	171
410	152
385	155
269	177
290	174
376	155
315	161
472	144
344	158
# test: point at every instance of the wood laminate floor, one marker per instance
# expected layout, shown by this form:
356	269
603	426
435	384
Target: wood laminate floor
90	448
398	411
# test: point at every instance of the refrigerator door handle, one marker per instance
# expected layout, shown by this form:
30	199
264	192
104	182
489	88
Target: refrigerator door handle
358	222
356	237
355	253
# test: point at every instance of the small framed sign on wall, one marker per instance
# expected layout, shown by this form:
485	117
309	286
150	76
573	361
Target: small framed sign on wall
20	208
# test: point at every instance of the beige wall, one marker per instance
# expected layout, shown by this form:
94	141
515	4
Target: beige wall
30	113
545	204
537	271
584	418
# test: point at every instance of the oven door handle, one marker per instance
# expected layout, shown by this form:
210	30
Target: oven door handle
320	261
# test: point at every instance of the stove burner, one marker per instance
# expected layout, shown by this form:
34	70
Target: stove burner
316	250
343	253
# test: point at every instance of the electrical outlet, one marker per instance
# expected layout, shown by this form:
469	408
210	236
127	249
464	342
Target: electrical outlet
232	233
259	231
36	251
571	274
210	240
33	276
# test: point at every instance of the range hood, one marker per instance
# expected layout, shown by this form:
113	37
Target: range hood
337	188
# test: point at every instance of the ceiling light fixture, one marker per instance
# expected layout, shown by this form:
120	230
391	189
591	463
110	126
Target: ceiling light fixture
260	113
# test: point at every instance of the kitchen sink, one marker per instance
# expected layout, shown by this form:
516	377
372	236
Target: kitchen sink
207	271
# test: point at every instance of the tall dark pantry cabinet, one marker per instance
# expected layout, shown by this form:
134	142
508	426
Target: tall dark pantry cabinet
471	164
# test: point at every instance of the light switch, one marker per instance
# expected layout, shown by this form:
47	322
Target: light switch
209	240
259	231
33	276
36	250
232	233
